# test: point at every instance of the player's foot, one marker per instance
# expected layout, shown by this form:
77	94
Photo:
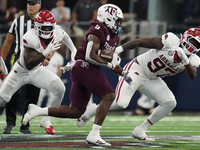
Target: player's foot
25	131
89	113
82	120
31	113
140	134
8	129
96	140
46	124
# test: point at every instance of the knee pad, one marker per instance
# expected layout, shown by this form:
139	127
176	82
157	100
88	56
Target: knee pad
171	104
57	87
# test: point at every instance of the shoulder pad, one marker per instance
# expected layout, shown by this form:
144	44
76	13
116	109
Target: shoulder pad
170	40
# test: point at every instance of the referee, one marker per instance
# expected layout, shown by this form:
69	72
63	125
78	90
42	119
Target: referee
18	28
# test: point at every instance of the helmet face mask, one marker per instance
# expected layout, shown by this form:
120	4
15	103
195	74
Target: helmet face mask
190	41
111	15
45	24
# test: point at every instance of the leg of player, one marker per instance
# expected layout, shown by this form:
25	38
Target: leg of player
101	112
166	101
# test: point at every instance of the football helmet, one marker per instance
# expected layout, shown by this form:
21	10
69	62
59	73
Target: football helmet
190	41
111	15
45	24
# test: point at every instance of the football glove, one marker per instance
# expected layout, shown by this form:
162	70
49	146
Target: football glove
115	61
67	67
182	55
53	45
127	78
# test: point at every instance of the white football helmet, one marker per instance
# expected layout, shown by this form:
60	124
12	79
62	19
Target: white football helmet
111	15
190	41
45	20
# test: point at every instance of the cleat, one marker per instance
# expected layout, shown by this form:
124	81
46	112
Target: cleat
96	140
46	124
82	121
30	114
25	131
140	134
89	113
8	129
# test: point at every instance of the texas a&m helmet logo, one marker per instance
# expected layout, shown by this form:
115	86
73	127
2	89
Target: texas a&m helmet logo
111	10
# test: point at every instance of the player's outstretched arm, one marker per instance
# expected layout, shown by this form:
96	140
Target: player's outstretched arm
155	42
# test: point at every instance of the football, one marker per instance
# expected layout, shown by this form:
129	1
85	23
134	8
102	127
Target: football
106	54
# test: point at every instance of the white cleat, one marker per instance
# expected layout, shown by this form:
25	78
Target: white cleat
90	112
82	121
96	140
46	124
30	114
140	134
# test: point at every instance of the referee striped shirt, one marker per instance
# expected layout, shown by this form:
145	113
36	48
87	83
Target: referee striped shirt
18	28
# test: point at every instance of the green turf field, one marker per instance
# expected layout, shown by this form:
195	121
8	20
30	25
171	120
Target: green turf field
172	132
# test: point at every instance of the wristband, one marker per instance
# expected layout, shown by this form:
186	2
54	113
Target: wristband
48	59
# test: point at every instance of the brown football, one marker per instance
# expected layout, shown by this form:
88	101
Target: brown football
106	54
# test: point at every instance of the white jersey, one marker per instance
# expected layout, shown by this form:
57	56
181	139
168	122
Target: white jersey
56	61
158	63
32	40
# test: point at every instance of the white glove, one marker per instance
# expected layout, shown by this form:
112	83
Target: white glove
119	49
182	55
115	61
53	45
68	67
127	78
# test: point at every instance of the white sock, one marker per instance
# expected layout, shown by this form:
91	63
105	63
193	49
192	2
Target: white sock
90	111
96	129
43	111
146	124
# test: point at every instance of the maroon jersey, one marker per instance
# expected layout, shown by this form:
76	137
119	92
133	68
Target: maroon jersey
87	78
100	30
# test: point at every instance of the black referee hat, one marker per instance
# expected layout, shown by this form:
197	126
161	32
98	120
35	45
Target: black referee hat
35	1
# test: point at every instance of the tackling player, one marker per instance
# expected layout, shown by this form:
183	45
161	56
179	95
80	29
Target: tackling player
86	75
168	55
38	43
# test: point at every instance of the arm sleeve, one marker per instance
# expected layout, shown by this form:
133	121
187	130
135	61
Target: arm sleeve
68	42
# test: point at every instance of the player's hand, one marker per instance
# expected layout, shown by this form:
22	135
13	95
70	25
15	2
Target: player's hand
127	78
119	49
68	67
53	45
45	63
182	55
115	61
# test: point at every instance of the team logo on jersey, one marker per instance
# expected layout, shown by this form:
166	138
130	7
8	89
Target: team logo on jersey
97	27
38	46
108	38
170	53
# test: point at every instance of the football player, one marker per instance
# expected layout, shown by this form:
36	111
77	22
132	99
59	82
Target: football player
86	75
168	55
38	43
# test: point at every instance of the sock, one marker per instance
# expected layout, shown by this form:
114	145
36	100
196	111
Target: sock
146	124
43	111
96	129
